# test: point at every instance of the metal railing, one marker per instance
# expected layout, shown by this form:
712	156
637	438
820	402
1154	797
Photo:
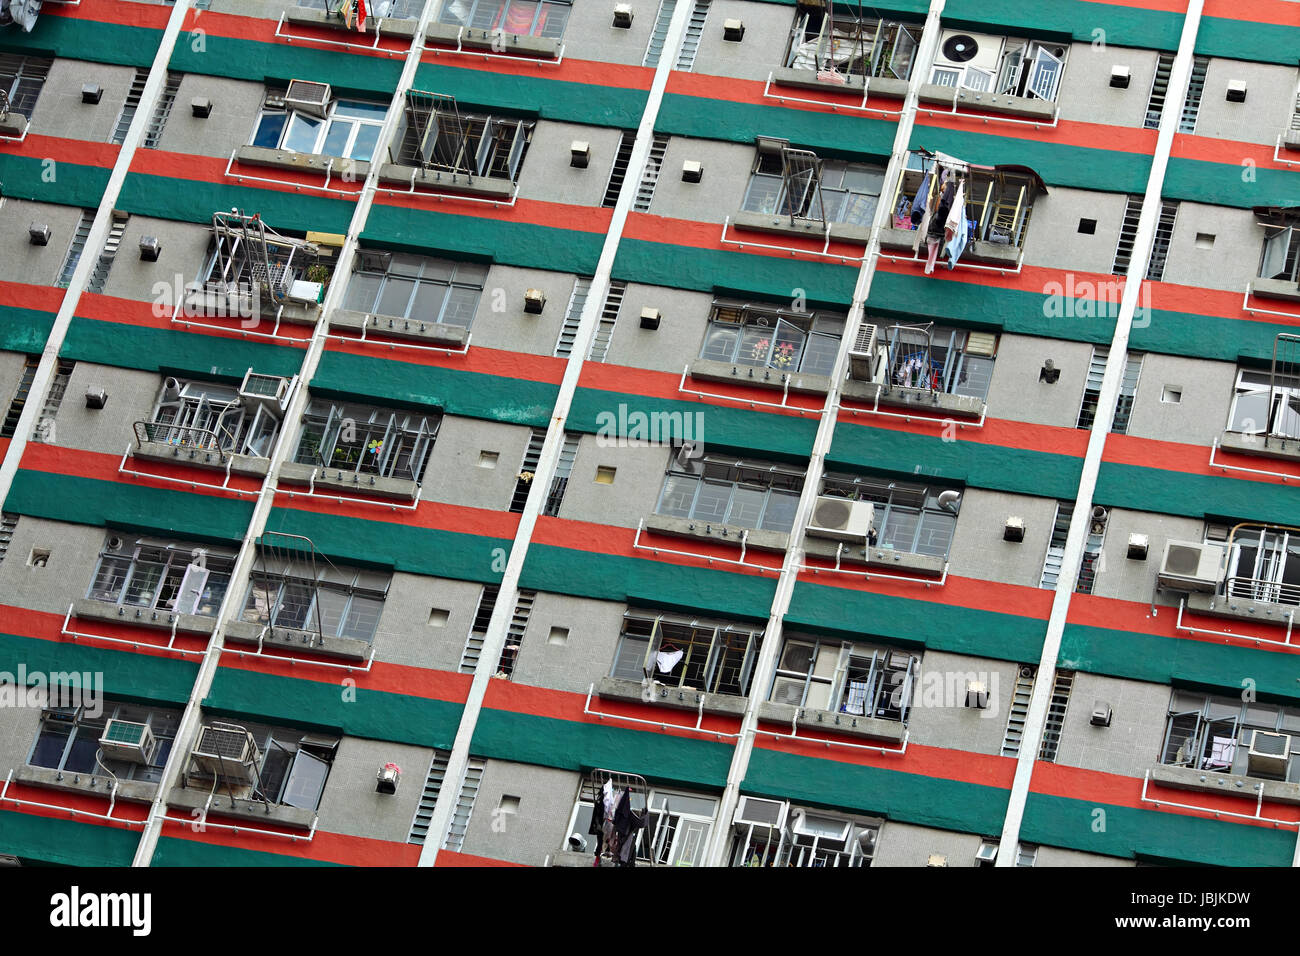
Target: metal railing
184	436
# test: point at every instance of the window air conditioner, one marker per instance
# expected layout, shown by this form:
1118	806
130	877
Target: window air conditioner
842	519
1268	754
761	813
313	98
127	740
966	59
788	690
1191	566
227	750
266	389
868	354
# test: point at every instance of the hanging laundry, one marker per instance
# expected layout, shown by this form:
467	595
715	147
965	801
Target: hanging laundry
361	16
667	660
956	228
21	12
918	202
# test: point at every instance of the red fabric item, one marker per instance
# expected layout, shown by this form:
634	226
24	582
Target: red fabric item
361	16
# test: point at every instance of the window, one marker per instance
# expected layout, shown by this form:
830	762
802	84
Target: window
1024	67
1266	405
845	678
750	494
68	740
1264	564
908	517
249	258
716	658
416	287
677	823
999	199
292	766
799	184
1280	256
437	136
767	337
188	579
844	45
808	838
940	358
349	129
203	415
366	440
21	79
335	602
518	17
1212	733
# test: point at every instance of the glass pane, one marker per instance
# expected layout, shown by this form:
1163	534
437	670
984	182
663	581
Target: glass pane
429	297
303	132
362	291
755	345
630	658
763	194
49	746
781	506
331	604
678	494
306	781
462	303
819	354
395	297
712	502
336	140
363	147
268	130
361	110
1250	414
720	342
747	507
363	617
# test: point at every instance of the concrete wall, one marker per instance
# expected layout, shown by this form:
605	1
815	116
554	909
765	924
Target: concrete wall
721	190
1122	577
902	844
458	473
350	805
11	373
978	549
938	719
500	321
73	555
677	341
131	398
183	252
1270	98
638	479
757	54
60	112
1132	742
1054	240
548	174
546	800
1015	391
1052	856
235	108
410	633
1206	398
1086	94
20	260
587	651
1230	263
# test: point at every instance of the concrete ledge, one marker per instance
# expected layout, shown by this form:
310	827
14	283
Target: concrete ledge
201	458
403	489
1234	784
828	720
13	124
1265	446
711	371
875	557
1219	605
692	528
254	811
781	225
991	253
302	162
213	304
319	18
493	40
156	619
807	80
394	175
138	791
898	240
346	648
1023	106
1291	139
1287	289
432	333
678	698
587	858
922	400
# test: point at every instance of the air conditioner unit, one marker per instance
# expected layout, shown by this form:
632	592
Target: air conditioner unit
1268	754
1191	566
868	355
227	750
973	56
761	813
788	690
266	389
1100	714
313	98
842	519
127	740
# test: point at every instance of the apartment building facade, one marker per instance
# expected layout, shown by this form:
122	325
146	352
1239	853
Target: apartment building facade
422	419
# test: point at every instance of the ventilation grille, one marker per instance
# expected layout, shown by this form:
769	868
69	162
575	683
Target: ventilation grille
618	173
1056	716
464	805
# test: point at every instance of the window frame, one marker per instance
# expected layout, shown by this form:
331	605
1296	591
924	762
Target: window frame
755	845
293	118
268	737
657	843
163	723
881	491
347	586
210	407
466	144
874	63
474	16
1280	398
766	192
726	316
453	284
696	470
1204	711
332	420
953	342
26	77
887	688
709	652
178	558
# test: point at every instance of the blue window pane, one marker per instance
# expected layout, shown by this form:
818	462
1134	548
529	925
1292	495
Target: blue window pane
364	147
269	128
336	140
49	747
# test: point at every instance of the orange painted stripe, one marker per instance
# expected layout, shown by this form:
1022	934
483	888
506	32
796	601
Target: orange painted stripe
453	859
1165	6
78	463
1281	12
1231	152
83	802
1191	459
325	846
112	11
42	298
1114	614
58	149
233	26
480	360
43	626
431	515
104	308
586	72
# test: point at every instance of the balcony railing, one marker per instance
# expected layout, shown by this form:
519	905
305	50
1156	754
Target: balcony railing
184	436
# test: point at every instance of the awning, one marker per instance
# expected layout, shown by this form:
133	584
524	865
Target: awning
1003	169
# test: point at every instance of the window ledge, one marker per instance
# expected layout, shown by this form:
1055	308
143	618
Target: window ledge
679	698
1291	139
711	371
807	79
289	638
301	162
694	528
392	174
1266	446
319	18
139	791
1029	107
201	458
211	303
196	798
771	222
921	399
435	333
403	489
874	557
1219	605
13	124
830	721
899	240
1287	289
494	41
1233	784
158	619
992	253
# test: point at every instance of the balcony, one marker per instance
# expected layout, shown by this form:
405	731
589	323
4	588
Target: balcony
201	448
288	638
494	41
403	27
66	781
333	479
829	721
436	334
718	532
159	619
679	698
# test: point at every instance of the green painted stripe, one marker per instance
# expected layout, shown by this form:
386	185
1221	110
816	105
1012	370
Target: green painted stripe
920	622
510	243
45	180
126	675
1248	40
567	745
1018	470
161	511
279	61
175	351
193	200
173	851
1164	660
740	430
59	842
1206	336
906	797
454	391
401	547
1195	496
1230	184
647	583
334	706
1118	25
72	38
24	330
1126	832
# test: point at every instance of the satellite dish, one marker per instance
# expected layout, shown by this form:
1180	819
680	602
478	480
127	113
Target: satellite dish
960	48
